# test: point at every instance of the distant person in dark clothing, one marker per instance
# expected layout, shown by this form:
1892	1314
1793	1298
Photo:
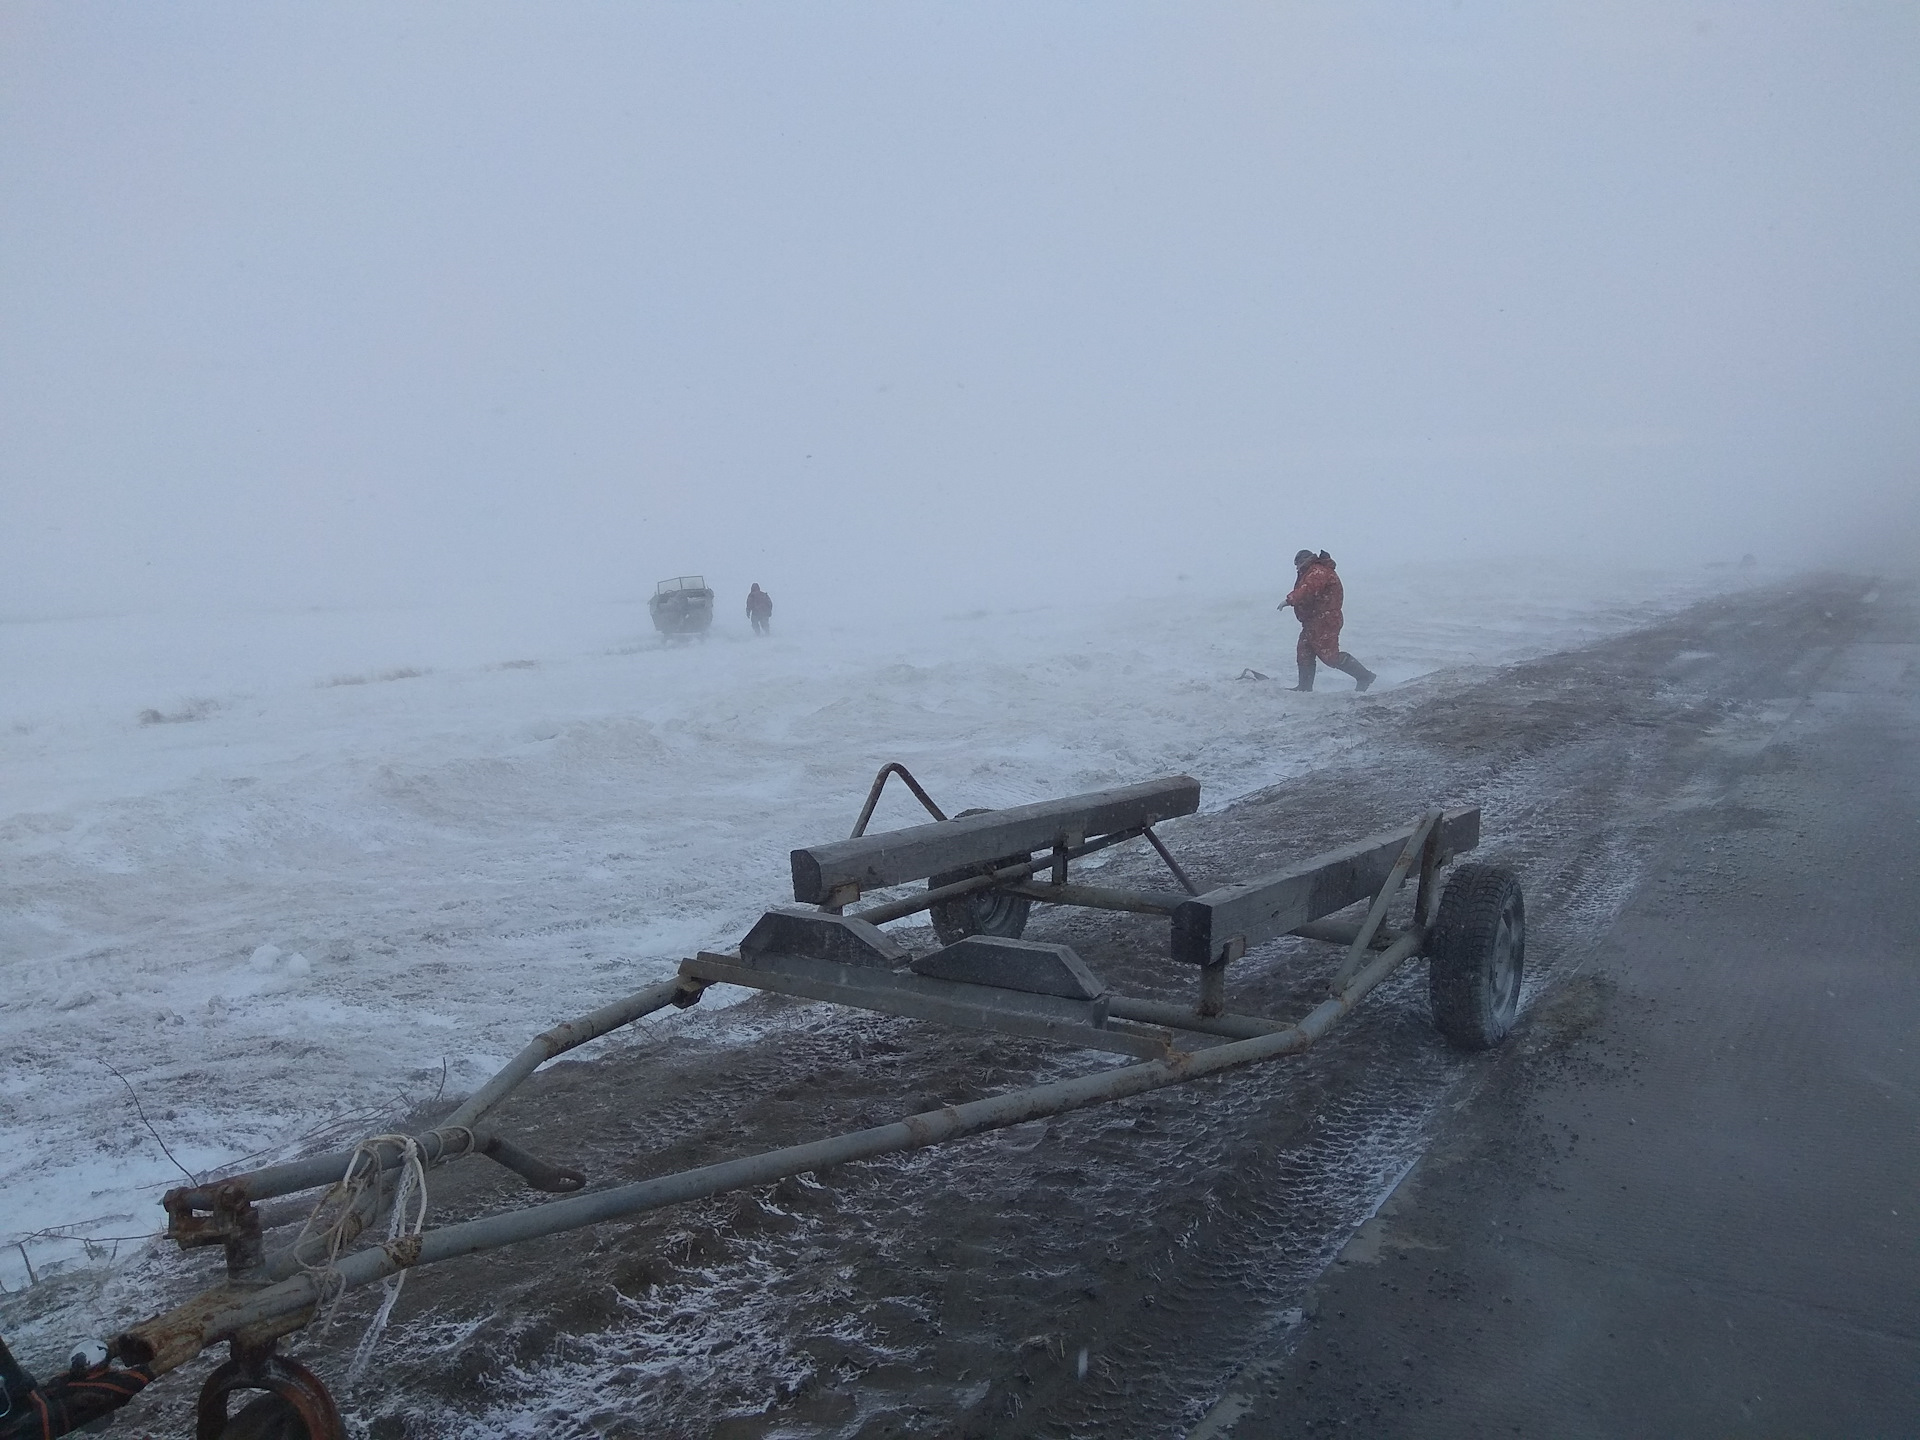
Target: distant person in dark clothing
759	609
1316	598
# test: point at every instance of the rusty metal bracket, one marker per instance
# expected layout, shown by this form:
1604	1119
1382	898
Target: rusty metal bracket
230	1221
257	1367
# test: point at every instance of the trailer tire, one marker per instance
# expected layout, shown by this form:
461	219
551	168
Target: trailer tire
981	913
1476	955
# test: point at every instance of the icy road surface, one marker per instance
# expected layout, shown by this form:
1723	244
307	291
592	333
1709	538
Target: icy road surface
292	873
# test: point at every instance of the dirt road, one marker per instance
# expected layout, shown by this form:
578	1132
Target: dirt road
1113	1273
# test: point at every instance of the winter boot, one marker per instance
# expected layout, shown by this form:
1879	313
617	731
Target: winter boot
1362	677
1306	675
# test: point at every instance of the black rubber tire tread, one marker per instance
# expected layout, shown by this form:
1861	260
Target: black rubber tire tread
1001	915
265	1417
1470	1008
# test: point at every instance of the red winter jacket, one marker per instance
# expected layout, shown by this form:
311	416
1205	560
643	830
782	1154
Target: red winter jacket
1316	597
1316	593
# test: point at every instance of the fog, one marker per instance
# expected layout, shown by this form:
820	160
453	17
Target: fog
340	305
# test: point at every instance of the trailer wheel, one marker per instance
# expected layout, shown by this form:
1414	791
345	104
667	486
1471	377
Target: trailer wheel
1477	950
983	912
295	1405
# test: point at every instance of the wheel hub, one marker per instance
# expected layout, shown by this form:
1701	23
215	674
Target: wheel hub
1503	963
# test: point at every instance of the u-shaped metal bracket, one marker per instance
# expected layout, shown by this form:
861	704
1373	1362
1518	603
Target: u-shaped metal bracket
289	1380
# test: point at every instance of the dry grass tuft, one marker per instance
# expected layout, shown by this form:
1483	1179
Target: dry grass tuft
192	710
405	673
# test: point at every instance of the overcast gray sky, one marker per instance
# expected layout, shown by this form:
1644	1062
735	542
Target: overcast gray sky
309	303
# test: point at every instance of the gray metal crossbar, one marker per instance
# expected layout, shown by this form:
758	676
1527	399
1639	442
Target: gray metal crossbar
1218	926
840	872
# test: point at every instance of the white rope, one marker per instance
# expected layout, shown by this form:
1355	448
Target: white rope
411	1189
408	1217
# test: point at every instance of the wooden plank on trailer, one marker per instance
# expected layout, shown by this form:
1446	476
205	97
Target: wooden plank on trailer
823	874
1260	909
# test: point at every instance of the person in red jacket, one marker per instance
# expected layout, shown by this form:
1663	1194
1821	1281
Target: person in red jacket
1316	597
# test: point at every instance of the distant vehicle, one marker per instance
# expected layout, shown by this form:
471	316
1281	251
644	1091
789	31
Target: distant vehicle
682	607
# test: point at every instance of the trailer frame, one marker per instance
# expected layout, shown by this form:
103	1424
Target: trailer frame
816	949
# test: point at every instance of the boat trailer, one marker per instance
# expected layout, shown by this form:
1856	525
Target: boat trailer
980	873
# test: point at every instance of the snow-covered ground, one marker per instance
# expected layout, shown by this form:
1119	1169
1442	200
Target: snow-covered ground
290	872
